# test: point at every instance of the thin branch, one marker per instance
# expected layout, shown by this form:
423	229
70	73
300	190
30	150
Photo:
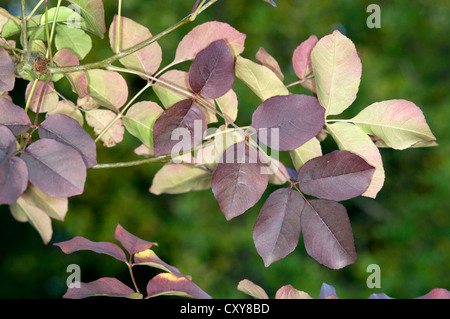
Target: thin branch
116	57
23	26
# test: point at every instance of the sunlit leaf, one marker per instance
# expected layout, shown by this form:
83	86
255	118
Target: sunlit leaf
146	60
399	123
301	61
327	233
169	284
228	104
139	121
73	39
183	120
106	286
180	178
149	258
99	119
57	169
35	216
107	88
259	78
55	207
66	130
14	117
212	72
248	287
337	72
286	122
94	14
237	182
7	71
131	243
351	138
277	229
304	153
289	292
339	175
80	243
264	58
201	36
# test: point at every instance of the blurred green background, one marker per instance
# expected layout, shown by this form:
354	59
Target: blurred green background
405	230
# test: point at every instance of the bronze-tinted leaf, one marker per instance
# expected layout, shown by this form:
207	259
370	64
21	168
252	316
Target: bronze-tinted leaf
169	284
106	286
130	242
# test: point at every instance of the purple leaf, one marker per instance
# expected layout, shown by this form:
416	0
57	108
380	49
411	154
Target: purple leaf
106	286
7	71
211	73
277	229
327	291
237	182
169	284
130	242
264	58
57	169
184	116
49	100
8	143
80	243
436	293
14	117
339	175
327	233
68	131
78	80
297	118
13	177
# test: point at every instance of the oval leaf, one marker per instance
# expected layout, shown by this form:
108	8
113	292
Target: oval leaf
107	88
68	131
146	60
94	14
99	119
339	175
78	80
211	73
351	138
294	119
14	117
337	71
264	58
237	182
180	178
106	286
13	176
80	243
57	169
149	258
327	233
49	101
399	123
304	153
201	36
140	119
7	71
259	78
301	61
73	39
54	207
277	229
169	284
184	119
130	242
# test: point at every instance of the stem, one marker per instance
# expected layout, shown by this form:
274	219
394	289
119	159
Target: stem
35	9
50	41
47	32
132	276
158	159
119	14
337	120
116	57
33	88
41	97
23	26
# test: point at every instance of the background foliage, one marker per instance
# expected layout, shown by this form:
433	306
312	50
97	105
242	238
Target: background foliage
404	231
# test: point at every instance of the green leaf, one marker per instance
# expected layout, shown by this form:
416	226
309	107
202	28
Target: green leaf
94	13
76	40
107	88
146	60
351	138
398	123
337	71
304	153
140	119
259	78
180	178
